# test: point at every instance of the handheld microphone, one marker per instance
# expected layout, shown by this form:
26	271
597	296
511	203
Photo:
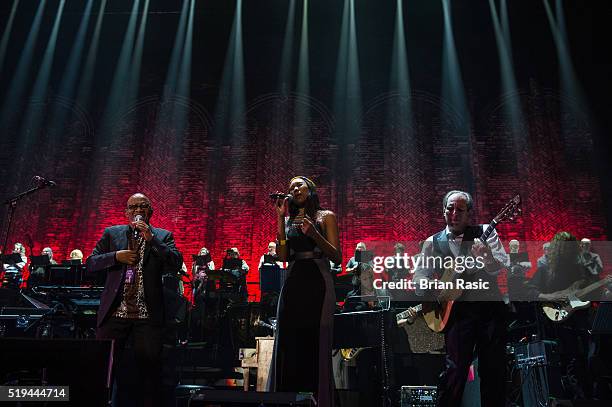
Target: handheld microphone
279	195
44	181
137	218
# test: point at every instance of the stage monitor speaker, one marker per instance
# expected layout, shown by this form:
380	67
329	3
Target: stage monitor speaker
580	403
250	398
417	396
83	365
418	369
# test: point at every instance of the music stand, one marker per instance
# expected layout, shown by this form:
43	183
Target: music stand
62	275
232	264
42	260
38	265
12	275
516	258
12	258
72	262
82	277
269	278
201	260
270	259
364	256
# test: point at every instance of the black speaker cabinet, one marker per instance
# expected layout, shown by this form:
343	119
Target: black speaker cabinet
83	365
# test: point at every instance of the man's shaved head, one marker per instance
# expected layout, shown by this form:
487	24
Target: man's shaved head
139	204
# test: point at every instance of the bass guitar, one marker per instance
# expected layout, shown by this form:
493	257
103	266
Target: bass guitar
561	311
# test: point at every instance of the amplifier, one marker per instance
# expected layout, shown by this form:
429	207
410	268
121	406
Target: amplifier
537	353
538	365
413	396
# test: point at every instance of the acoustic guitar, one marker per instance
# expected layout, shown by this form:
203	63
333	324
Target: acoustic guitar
437	314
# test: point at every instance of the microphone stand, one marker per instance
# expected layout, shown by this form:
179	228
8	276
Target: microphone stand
188	306
12	205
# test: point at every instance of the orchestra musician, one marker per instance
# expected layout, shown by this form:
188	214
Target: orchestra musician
475	327
76	254
13	272
49	252
199	274
591	260
362	280
543	260
238	269
519	261
395	273
271	252
519	265
37	272
199	286
20	249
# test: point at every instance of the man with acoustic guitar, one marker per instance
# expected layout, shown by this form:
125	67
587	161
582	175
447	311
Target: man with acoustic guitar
476	325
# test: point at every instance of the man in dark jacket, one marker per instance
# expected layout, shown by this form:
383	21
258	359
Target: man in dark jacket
135	256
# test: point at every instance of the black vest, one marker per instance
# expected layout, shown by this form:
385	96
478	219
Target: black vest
442	248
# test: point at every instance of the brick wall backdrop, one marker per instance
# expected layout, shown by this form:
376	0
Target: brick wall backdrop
213	192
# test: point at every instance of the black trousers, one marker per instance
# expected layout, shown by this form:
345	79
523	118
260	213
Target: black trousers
476	329
147	336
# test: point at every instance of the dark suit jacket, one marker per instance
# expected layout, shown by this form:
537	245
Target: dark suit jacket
160	254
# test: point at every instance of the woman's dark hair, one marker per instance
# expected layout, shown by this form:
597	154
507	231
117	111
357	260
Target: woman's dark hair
312	204
563	248
564	259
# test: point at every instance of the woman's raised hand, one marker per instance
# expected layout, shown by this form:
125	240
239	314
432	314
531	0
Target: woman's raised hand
308	227
281	206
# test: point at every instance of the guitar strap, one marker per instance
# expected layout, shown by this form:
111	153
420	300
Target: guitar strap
440	241
442	248
440	244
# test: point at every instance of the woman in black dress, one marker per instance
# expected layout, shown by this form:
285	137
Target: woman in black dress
308	240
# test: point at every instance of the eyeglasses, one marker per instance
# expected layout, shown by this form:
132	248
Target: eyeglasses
143	206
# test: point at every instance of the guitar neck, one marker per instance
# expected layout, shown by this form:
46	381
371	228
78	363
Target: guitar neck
404	314
485	235
590	288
